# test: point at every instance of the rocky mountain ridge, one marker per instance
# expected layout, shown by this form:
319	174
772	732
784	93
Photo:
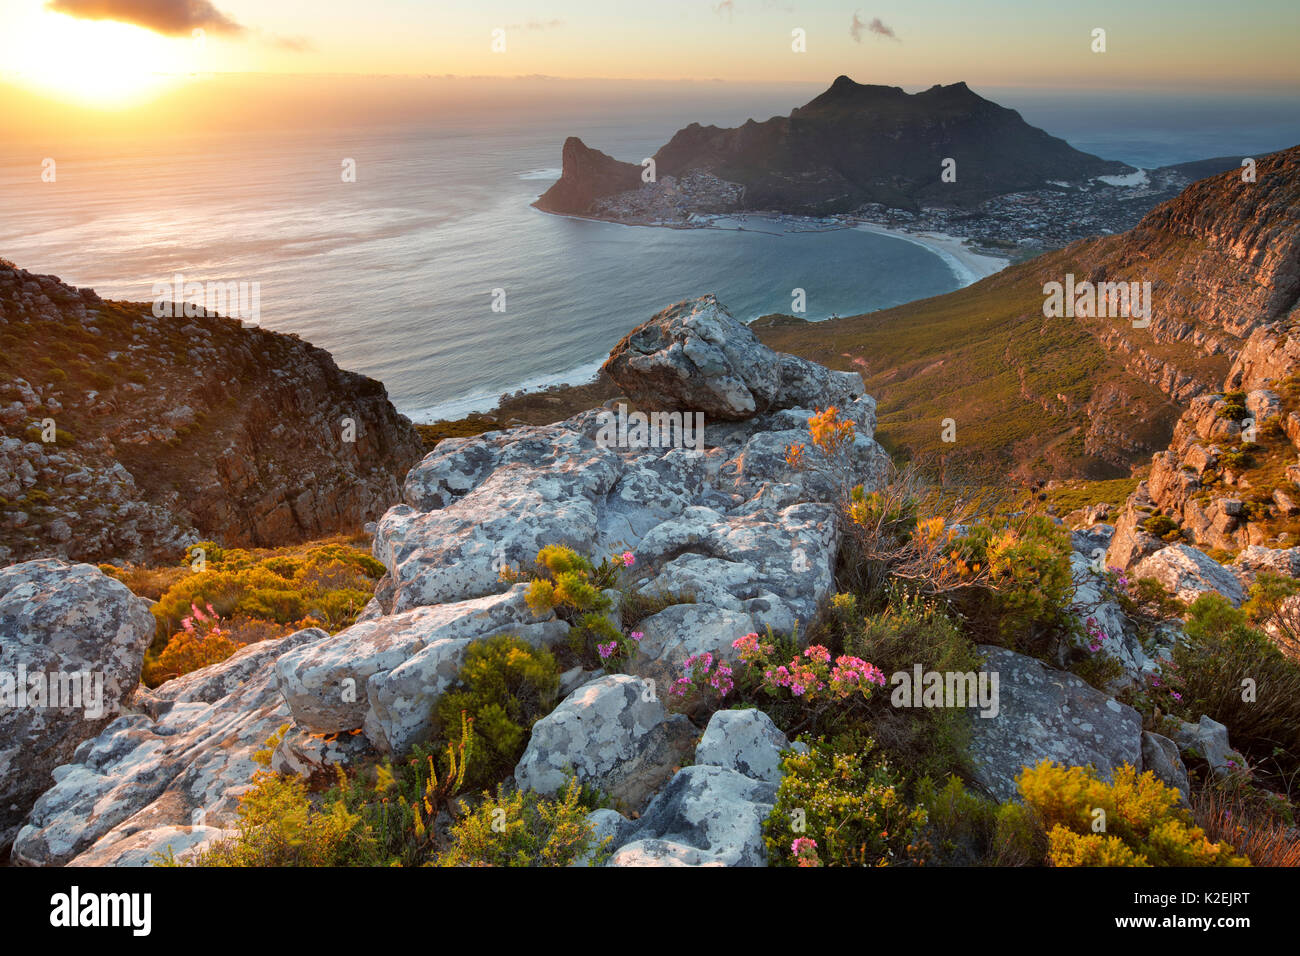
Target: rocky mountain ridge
852	145
127	437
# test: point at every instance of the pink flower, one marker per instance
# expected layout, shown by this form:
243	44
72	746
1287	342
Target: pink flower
606	651
637	635
629	559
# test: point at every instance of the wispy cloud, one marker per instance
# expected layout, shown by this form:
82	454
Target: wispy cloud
857	28
725	6
168	17
292	44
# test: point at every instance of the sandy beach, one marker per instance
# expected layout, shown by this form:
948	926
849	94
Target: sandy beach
968	266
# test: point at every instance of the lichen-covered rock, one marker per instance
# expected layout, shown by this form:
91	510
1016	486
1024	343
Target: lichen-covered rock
531	487
705	816
150	847
613	734
745	741
1189	573
1160	756
1045	714
776	567
72	641
693	356
384	675
681	630
1208	740
186	766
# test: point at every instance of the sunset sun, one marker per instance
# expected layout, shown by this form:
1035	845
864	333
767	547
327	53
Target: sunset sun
96	63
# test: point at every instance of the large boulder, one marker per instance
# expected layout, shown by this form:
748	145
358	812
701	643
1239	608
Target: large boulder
1160	756
745	741
682	630
612	733
182	762
1189	573
1208	739
528	488
384	675
72	641
1045	714
706	816
776	567
694	356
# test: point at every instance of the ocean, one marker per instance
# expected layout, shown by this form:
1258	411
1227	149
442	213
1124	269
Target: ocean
395	273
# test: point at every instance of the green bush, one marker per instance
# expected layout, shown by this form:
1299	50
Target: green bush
966	829
521	828
1220	652
279	826
1026	603
1133	821
382	816
846	800
506	686
1162	526
910	631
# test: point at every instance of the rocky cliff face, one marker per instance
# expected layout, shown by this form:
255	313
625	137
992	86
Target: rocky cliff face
1228	479
125	436
853	144
588	174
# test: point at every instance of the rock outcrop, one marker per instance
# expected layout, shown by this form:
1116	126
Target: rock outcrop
1045	714
725	518
146	434
612	734
72	641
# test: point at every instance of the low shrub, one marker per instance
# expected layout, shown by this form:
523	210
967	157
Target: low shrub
1134	820
521	828
1026	604
506	685
840	804
966	829
1236	674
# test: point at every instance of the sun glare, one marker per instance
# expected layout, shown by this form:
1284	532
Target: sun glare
95	63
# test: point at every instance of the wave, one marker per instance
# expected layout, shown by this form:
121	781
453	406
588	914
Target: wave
484	400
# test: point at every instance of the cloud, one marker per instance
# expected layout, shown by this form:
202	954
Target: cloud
292	44
725	6
168	17
857	28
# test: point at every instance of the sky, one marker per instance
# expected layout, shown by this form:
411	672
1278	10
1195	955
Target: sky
102	63
1013	42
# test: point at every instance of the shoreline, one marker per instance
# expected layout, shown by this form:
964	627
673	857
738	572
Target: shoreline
967	266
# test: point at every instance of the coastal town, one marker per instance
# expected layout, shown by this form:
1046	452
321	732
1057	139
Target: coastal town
1016	225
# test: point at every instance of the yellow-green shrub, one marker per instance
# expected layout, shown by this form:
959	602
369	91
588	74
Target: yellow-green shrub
1143	824
506	685
521	828
845	798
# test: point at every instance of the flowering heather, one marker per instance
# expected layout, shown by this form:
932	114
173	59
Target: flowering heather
815	672
1097	635
805	851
